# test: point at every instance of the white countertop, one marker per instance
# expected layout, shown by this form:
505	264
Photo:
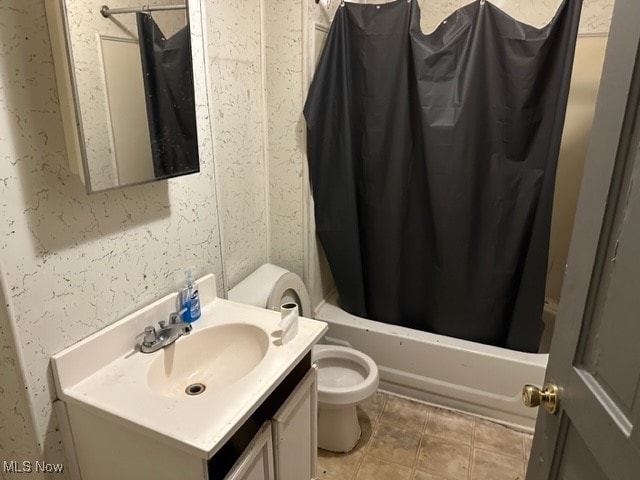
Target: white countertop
108	376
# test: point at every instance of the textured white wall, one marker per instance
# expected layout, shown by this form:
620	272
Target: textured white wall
286	132
236	98
596	14
595	18
73	263
17	436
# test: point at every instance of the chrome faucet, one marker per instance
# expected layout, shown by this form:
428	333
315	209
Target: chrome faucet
151	339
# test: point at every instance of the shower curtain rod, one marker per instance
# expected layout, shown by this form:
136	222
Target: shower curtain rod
107	12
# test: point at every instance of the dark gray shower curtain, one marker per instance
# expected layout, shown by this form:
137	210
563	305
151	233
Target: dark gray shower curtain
432	162
170	99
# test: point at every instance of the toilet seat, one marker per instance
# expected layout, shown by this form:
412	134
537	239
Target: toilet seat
345	375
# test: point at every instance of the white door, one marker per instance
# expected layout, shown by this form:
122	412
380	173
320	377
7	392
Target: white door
595	353
295	432
256	463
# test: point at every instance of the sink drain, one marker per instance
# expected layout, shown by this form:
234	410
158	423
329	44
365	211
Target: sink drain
195	389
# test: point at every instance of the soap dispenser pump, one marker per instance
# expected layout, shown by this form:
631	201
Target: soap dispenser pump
190	299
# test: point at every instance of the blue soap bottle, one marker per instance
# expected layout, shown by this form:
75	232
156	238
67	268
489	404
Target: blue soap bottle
190	299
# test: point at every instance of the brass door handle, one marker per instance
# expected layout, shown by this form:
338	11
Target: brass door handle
532	396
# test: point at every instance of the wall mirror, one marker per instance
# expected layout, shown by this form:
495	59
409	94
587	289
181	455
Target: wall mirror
125	82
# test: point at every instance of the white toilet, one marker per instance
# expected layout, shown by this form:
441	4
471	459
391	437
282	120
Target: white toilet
346	376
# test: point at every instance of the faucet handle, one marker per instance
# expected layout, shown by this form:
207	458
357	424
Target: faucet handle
149	334
176	317
148	337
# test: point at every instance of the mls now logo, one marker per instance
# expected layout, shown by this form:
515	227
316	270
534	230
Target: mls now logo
14	466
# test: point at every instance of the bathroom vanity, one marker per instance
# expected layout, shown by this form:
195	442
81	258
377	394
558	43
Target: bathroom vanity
226	401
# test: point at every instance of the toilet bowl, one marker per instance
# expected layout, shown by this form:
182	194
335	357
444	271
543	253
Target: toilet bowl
346	376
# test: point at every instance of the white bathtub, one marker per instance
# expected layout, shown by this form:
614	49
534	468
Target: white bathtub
458	374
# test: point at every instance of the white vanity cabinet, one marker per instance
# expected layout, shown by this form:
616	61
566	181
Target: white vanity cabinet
256	463
131	415
288	442
277	442
295	432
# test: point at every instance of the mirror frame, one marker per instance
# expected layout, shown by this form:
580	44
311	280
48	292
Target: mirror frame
69	99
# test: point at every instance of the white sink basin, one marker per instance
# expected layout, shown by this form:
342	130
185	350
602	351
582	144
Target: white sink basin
205	361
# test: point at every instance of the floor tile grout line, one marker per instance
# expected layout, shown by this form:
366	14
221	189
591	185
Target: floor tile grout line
525	460
386	460
426	419
447	439
365	448
412	471
381	409
526	453
356	469
420	444
472	447
496	452
366	452
374	431
416	458
406	432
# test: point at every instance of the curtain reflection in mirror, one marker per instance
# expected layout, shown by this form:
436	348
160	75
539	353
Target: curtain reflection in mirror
169	98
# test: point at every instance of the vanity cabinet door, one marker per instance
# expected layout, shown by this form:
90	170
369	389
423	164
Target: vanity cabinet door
256	463
295	432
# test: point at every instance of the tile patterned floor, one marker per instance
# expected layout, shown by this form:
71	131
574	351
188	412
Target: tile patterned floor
406	440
